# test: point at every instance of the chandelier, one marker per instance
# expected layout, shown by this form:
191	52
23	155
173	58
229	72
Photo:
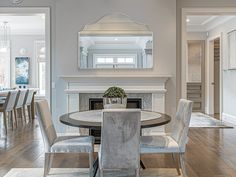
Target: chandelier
4	36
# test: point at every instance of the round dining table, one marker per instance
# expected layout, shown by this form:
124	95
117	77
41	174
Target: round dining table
92	120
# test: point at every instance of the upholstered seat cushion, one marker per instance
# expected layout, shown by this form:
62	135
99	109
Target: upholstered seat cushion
72	144
158	144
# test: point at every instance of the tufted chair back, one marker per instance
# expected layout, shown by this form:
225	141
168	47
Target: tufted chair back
181	123
10	100
43	115
20	98
120	139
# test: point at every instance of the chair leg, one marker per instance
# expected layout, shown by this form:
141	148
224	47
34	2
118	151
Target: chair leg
5	121
100	173
24	114
175	158
29	113
12	119
137	172
182	163
91	160
47	163
21	115
15	116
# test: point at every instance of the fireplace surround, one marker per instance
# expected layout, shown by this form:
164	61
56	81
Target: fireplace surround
149	88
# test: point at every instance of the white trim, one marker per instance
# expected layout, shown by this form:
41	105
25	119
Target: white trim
102	90
229	118
36	10
209	93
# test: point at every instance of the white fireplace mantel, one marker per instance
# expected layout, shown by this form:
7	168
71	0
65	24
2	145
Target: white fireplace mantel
130	83
127	90
139	84
78	86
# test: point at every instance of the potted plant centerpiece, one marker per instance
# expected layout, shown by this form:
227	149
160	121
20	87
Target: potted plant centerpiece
114	97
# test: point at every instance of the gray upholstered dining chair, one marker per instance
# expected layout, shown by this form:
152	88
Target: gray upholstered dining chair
27	103
120	143
63	144
8	107
19	104
175	143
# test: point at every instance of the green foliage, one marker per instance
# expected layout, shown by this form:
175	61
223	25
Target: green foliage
114	92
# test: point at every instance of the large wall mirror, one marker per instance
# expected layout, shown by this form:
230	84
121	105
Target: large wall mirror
115	42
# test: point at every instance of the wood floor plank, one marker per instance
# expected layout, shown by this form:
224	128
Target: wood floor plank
210	152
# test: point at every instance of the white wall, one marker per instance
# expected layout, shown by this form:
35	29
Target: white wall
69	17
27	42
194	65
229	76
191	36
195	36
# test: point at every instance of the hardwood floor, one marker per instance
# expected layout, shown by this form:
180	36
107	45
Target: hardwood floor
210	152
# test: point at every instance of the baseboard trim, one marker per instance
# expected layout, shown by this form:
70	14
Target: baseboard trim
229	118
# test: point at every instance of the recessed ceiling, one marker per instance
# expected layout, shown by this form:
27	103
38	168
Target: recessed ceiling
204	23
25	24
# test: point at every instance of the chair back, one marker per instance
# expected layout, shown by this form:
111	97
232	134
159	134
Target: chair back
28	97
20	98
181	123
120	139
43	115
10	100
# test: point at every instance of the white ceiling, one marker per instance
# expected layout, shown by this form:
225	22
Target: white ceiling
204	23
29	24
115	41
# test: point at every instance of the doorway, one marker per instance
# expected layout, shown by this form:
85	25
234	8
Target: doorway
214	58
29	42
196	74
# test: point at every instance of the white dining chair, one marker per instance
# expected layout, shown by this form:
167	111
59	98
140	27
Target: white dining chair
19	104
175	143
62	144
120	141
27	103
8	107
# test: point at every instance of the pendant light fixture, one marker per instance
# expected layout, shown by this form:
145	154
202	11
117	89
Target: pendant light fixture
4	36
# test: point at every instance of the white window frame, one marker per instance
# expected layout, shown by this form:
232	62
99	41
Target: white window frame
115	57
36	43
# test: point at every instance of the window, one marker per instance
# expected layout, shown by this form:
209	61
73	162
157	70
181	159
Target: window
125	60
105	60
41	66
114	60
